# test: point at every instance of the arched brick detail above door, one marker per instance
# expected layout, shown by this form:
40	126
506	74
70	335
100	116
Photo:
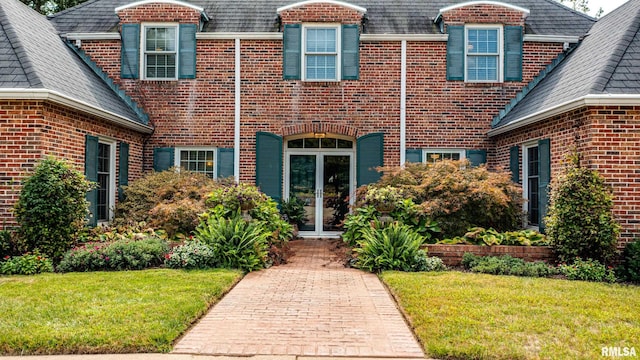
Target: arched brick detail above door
345	130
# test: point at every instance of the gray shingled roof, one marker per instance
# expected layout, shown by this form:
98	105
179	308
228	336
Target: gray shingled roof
607	61
547	17
33	56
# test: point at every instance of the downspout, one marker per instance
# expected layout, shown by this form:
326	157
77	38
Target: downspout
236	132
403	103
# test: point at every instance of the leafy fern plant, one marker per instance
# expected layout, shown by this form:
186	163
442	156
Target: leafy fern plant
396	247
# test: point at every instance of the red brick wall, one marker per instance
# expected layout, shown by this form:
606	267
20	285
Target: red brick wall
451	255
607	139
484	14
31	130
319	12
159	12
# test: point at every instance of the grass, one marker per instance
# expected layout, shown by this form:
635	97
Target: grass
459	315
105	312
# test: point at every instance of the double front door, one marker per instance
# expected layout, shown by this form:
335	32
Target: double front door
323	181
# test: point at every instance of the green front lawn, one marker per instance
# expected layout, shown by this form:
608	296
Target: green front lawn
105	312
475	316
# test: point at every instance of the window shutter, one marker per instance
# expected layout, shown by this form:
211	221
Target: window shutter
544	177
414	155
477	157
187	51
130	51
91	173
370	155
163	158
123	169
514	163
513	53
292	47
269	164
350	52
225	163
455	53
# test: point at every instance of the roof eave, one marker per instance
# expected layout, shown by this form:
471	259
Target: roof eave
56	97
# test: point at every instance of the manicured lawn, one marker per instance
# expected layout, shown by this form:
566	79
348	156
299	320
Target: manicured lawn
104	312
475	316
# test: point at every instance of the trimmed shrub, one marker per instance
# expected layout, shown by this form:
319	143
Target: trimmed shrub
170	200
191	255
52	208
395	247
458	196
580	220
28	264
629	269
122	254
587	270
506	265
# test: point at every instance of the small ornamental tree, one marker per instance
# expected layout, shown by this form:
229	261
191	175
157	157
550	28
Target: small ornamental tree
52	208
580	222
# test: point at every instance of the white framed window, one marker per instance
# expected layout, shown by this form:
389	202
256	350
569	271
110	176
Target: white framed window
160	51
530	182
106	180
201	160
483	52
430	156
321	52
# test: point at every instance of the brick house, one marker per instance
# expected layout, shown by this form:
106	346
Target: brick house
306	98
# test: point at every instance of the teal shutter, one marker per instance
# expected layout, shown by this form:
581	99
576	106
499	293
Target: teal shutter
514	163
292	47
269	164
513	53
350	52
163	158
123	169
225	163
455	53
413	155
130	51
370	155
187	52
477	157
544	177
91	173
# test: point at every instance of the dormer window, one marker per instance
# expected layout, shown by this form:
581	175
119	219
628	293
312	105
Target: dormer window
160	52
321	56
483	54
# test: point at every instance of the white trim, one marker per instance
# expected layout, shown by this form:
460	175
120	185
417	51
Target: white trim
236	115
338	54
239	35
401	37
403	102
56	97
551	38
500	54
310	2
112	187
176	157
143	50
460	151
93	36
481	2
171	2
588	100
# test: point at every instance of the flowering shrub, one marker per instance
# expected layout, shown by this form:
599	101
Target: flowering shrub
117	255
383	198
28	264
191	255
587	270
236	196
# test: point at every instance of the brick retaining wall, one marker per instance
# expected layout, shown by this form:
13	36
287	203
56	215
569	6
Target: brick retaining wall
451	255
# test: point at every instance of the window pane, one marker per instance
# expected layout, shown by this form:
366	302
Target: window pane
483	68
328	143
345	144
198	160
296	144
321	67
311	143
321	40
482	41
433	156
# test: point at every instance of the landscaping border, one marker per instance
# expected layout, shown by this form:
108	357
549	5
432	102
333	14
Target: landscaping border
451	255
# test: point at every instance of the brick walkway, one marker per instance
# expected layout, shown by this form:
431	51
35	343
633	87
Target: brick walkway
312	306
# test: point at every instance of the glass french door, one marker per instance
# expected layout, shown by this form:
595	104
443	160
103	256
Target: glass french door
323	181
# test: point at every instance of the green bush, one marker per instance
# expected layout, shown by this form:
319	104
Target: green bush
124	254
629	269
482	236
458	196
191	255
506	265
170	200
292	210
580	221
236	243
28	264
587	270
8	246
52	208
395	247
236	196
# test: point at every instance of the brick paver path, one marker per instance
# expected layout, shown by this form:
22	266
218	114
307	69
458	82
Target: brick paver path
312	306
